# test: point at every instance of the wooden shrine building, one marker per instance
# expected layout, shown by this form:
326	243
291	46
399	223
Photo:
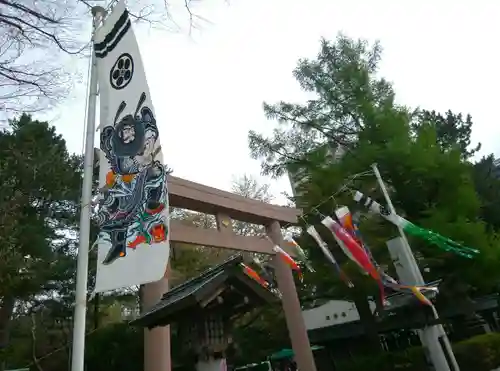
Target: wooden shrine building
204	309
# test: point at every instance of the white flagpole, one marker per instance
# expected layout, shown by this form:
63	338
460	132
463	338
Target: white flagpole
77	359
432	334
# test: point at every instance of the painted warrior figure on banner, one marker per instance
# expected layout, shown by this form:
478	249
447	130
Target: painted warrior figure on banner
133	205
135	193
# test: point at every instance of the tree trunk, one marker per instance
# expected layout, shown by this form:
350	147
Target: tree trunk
6	311
368	322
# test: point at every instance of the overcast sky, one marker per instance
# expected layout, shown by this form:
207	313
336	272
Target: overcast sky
208	90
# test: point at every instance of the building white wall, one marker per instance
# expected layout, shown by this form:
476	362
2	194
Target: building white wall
334	312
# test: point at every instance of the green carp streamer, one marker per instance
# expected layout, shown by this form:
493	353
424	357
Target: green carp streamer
443	242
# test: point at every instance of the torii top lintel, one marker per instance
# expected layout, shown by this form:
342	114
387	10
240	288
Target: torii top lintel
198	197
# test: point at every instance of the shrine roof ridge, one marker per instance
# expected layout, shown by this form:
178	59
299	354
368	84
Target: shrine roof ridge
232	261
189	297
190	286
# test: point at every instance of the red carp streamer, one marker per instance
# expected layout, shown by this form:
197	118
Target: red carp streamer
357	253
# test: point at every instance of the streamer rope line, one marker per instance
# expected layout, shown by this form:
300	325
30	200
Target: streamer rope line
345	187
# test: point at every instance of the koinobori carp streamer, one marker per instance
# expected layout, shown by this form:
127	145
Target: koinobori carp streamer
301	255
356	252
435	238
328	254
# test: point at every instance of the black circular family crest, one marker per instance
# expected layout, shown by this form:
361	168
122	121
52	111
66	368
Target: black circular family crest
122	71
384	211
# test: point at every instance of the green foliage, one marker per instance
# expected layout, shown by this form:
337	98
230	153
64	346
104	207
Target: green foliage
40	183
480	353
487	185
259	333
38	209
116	347
345	88
453	132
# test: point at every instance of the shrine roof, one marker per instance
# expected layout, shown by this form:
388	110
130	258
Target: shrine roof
405	321
192	293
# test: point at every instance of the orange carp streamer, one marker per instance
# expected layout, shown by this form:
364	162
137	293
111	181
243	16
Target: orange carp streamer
345	219
289	261
254	275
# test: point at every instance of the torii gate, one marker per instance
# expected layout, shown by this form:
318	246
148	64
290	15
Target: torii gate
226	206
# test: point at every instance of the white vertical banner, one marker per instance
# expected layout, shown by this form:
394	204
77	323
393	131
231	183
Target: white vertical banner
133	213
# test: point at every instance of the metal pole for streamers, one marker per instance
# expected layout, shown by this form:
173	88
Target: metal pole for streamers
434	337
416	274
77	359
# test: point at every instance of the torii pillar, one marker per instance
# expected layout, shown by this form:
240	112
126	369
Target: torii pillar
156	341
291	306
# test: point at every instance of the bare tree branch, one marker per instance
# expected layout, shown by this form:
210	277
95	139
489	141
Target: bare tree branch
33	346
36	36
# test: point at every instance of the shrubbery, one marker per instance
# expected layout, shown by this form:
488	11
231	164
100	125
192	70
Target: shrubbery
480	353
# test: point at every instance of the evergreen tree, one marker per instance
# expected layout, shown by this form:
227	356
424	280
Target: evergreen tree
421	155
38	207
